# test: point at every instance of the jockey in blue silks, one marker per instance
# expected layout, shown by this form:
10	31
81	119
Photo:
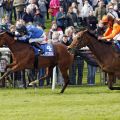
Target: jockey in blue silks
31	34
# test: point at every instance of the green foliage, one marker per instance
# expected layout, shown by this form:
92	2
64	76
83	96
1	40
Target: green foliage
77	103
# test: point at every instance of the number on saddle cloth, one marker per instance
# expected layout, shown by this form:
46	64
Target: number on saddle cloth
47	49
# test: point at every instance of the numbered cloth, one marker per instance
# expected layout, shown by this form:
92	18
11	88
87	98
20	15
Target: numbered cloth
47	49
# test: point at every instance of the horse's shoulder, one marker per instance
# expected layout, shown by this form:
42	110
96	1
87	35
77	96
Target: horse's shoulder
106	42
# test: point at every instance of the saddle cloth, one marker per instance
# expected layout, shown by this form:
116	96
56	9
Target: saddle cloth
47	49
117	46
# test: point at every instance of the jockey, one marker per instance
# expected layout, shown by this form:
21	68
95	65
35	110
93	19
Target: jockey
30	34
113	28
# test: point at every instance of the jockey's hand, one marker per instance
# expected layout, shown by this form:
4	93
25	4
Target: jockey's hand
101	38
15	38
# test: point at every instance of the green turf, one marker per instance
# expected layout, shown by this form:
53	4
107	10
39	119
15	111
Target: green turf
77	103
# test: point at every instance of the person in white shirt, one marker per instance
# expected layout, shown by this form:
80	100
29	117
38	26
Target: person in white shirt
80	4
85	11
86	8
112	12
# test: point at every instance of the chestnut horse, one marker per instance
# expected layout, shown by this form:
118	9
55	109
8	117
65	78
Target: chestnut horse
23	58
107	57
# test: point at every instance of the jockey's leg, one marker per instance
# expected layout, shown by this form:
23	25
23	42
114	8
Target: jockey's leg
37	46
36	50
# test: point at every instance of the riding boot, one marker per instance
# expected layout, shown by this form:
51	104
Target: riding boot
36	62
37	46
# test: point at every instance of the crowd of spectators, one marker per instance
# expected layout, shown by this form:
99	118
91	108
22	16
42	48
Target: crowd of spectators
66	16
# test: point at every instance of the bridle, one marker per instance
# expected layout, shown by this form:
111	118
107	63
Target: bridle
80	38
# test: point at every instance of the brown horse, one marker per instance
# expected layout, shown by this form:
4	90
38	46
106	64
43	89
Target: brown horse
106	56
23	58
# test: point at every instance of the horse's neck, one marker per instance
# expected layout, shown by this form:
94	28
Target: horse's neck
10	43
100	50
13	45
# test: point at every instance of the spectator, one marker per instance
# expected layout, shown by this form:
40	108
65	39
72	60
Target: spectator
80	4
3	63
111	11
100	29
91	72
60	19
75	8
8	6
64	4
5	23
53	29
54	5
69	32
47	7
1	10
65	40
27	17
85	11
33	2
32	7
118	11
19	7
71	18
55	37
43	10
37	18
77	68
78	63
69	2
91	21
114	2
100	10
94	3
106	1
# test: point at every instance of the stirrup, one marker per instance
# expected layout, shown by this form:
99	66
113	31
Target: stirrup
40	51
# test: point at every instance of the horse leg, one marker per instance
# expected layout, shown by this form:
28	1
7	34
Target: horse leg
10	65
66	78
12	68
106	81
47	74
111	81
6	74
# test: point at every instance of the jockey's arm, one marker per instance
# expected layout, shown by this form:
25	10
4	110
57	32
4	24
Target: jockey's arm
115	31
24	38
108	32
39	40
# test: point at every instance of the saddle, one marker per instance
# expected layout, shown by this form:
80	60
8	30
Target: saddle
46	50
116	46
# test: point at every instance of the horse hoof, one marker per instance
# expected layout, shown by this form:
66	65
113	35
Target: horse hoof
31	84
111	88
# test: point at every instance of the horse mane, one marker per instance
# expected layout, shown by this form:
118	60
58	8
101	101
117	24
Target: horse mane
13	35
10	33
101	41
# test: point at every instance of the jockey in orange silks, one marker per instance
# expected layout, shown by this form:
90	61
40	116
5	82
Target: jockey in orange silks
113	28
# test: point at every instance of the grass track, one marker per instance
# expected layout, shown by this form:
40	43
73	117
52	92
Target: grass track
77	103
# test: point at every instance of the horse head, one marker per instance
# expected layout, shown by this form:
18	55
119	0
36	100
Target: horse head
79	40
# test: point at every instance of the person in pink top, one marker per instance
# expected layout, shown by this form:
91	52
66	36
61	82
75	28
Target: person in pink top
54	5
